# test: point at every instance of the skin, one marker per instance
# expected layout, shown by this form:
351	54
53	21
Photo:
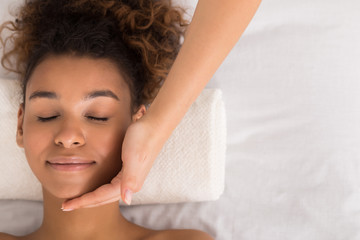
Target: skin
214	30
74	133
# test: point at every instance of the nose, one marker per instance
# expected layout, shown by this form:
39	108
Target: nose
69	136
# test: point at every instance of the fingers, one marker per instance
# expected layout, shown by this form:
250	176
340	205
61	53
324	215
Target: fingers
140	147
117	198
134	173
103	195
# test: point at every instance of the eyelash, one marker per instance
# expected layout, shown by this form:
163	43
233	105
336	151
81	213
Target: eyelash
41	119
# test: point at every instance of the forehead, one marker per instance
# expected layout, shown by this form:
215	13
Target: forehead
72	76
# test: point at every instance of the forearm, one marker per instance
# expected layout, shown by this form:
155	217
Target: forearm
214	30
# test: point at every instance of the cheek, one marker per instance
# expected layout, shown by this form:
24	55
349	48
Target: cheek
108	140
107	144
36	141
35	145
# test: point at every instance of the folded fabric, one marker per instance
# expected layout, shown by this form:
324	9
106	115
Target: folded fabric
190	167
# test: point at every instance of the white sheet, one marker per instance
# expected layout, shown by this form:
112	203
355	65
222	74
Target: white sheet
291	90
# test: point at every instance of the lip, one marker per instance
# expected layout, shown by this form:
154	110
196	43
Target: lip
62	163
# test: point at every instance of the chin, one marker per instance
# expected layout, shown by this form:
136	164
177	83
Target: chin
68	187
68	192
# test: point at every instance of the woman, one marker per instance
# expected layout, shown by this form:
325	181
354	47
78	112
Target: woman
87	70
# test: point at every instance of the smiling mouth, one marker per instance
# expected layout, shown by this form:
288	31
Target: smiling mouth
70	166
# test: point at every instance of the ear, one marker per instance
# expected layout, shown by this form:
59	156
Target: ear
140	112
20	132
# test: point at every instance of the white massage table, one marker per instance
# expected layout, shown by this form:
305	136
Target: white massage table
291	89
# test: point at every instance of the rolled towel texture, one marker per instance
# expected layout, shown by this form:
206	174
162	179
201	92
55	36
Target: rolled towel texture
189	168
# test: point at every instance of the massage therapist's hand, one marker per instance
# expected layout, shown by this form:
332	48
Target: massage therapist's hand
141	145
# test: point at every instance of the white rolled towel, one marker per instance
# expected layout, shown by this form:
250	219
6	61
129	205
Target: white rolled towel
189	168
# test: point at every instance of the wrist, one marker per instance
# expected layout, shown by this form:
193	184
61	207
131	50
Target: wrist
160	126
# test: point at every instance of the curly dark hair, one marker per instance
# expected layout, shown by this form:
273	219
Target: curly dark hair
142	37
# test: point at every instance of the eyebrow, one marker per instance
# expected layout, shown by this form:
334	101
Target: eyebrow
90	95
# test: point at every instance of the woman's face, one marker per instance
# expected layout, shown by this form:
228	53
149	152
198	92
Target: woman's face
77	110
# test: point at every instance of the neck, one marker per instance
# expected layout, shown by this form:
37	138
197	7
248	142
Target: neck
103	222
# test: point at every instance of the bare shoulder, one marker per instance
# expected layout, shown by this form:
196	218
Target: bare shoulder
180	234
5	236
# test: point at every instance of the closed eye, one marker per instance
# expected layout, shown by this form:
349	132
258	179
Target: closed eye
97	119
41	119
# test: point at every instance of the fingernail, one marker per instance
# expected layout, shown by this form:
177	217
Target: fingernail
67	210
128	195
